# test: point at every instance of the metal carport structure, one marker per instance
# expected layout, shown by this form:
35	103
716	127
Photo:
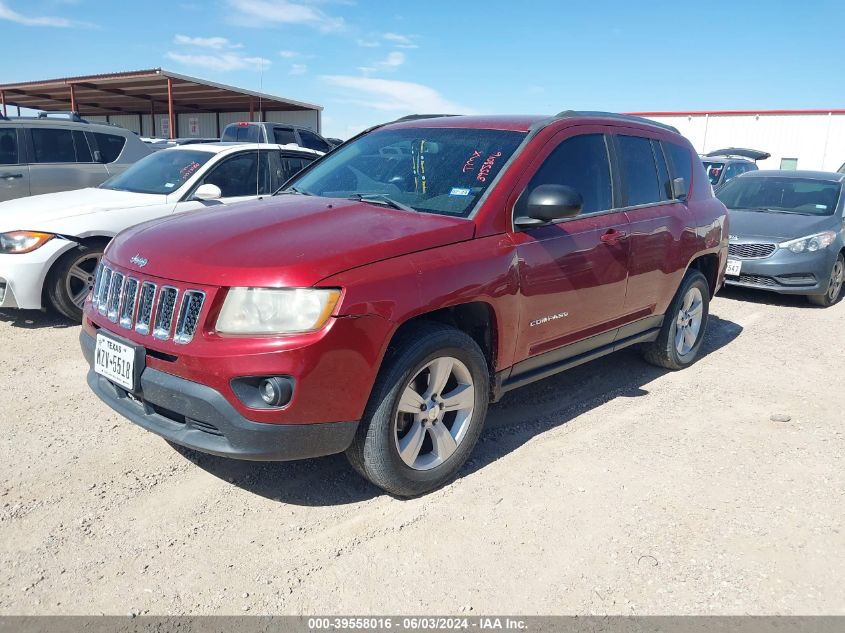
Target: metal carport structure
137	99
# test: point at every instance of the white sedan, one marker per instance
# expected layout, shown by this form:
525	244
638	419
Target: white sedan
50	245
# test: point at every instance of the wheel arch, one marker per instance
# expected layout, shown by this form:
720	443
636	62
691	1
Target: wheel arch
707	265
72	243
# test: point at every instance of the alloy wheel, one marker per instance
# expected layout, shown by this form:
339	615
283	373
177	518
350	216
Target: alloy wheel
80	278
434	413
688	321
837	276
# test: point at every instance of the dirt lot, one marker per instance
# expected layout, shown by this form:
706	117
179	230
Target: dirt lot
614	488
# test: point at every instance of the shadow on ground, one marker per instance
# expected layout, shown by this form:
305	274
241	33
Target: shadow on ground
736	293
35	319
520	416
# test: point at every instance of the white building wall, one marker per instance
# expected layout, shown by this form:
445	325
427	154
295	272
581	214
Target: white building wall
816	140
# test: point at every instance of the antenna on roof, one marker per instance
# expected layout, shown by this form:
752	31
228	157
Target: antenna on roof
260	116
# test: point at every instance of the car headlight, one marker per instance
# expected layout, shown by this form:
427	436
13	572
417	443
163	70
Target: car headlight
811	243
276	310
19	242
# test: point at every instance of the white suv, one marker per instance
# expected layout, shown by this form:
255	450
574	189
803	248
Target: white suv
50	245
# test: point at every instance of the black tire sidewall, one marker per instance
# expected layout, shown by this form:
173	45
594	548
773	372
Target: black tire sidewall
695	279
824	300
56	289
379	458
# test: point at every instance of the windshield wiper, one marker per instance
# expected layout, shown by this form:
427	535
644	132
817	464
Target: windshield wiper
380	198
293	190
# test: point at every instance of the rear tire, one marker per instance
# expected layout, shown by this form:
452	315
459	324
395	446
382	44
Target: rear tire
679	341
425	413
71	279
834	288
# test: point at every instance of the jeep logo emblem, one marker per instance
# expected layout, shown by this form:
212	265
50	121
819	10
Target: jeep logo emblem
139	261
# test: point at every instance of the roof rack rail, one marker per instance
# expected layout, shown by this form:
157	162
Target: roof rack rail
566	114
416	117
71	114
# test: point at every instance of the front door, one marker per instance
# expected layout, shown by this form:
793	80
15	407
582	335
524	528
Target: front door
243	176
573	274
14	172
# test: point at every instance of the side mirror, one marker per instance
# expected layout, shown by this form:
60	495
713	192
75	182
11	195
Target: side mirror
679	189
208	192
546	204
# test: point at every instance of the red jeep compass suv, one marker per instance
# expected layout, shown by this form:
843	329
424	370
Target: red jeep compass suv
395	287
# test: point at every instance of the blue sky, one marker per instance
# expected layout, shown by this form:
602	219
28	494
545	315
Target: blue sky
368	61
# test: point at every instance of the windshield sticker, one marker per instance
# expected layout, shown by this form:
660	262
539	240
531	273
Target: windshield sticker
459	191
469	166
188	170
168	185
487	166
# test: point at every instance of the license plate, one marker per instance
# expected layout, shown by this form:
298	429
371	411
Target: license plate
115	361
734	267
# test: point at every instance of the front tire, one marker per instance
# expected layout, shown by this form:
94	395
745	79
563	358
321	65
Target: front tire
834	288
679	341
425	413
72	278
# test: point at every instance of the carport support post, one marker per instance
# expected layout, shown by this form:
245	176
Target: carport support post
3	101
152	119
170	116
251	109
72	99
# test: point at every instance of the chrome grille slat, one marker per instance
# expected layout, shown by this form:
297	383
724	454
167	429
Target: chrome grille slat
751	250
130	296
145	308
98	279
188	320
115	294
105	287
165	310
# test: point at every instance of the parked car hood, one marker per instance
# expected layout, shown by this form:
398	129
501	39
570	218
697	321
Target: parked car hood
289	240
776	226
34	212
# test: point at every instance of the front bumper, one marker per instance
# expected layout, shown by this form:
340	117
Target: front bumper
786	272
22	276
199	417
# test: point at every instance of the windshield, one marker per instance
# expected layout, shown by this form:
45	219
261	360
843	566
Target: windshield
163	172
714	171
782	195
434	170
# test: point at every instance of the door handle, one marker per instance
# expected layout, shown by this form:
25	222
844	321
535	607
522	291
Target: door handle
613	236
11	176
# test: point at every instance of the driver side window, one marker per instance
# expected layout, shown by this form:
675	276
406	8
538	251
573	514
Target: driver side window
580	162
246	174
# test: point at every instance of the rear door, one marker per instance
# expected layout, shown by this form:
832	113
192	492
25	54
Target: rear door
657	223
14	172
573	273
62	160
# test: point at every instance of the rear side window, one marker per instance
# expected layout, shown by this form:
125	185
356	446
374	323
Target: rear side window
639	172
8	146
53	145
580	162
284	135
680	163
110	146
312	141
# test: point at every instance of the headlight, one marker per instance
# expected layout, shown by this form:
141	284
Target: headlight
276	310
19	242
810	243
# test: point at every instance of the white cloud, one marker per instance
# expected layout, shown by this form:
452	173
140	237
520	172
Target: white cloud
221	61
13	16
393	96
393	61
289	54
400	41
298	69
368	43
216	43
273	12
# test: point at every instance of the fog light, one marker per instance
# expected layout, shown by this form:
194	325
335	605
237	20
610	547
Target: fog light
274	391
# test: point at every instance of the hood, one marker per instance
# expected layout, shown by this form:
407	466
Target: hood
33	212
777	226
289	240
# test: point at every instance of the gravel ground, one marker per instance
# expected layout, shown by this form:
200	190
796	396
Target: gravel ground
615	488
